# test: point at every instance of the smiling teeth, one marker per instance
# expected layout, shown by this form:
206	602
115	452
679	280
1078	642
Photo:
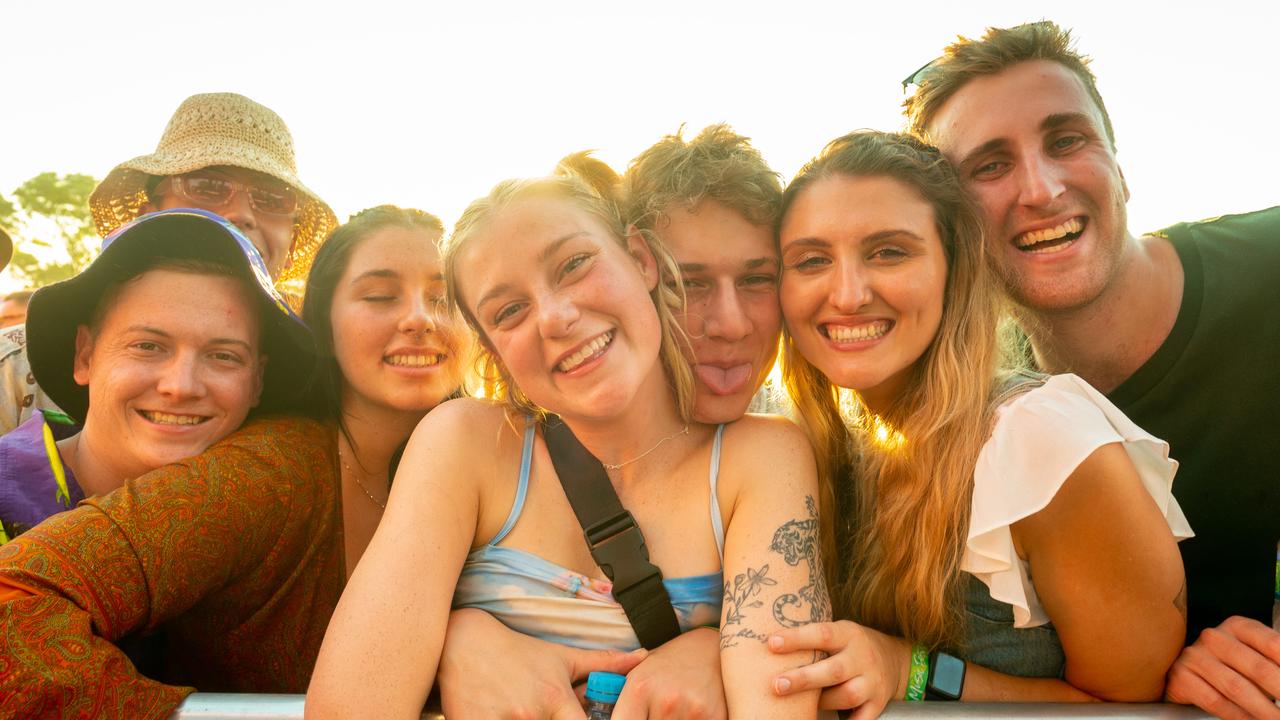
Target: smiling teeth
1054	233
414	360
867	331
168	419
587	351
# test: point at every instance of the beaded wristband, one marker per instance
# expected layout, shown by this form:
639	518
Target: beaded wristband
919	674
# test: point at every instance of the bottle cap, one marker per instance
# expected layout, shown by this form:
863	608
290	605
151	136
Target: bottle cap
604	686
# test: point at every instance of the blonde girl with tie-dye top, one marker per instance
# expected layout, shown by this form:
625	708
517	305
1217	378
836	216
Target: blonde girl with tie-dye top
577	318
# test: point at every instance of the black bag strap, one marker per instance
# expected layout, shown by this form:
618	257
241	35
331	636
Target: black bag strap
615	541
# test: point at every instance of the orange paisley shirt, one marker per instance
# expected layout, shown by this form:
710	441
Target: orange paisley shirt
236	555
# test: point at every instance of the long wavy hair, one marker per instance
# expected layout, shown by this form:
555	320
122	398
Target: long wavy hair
593	187
898	485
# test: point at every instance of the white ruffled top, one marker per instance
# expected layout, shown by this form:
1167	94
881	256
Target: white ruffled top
1039	438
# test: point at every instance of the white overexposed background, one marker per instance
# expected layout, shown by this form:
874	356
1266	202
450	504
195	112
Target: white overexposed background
429	104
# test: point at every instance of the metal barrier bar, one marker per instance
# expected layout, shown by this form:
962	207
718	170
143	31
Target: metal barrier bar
217	706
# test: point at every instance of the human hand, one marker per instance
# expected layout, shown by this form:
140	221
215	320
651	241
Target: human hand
1231	671
680	681
536	677
865	669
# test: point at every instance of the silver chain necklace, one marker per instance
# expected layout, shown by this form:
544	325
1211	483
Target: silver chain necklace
356	477
682	431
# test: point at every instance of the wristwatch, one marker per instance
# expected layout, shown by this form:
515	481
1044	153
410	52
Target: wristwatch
946	678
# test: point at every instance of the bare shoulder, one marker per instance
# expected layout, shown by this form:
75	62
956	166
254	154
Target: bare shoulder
462	422
768	450
761	437
465	437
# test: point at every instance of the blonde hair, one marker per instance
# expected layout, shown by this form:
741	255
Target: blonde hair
998	49
591	186
898	485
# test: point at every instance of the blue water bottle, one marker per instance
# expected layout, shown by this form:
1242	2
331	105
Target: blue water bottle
602	694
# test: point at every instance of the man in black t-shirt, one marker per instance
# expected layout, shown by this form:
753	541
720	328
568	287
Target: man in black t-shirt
1179	328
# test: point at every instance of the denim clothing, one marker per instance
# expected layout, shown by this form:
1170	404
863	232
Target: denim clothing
991	640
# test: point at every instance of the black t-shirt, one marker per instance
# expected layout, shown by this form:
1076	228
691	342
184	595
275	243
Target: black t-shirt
1212	391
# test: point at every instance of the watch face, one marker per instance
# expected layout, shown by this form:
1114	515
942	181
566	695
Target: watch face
946	678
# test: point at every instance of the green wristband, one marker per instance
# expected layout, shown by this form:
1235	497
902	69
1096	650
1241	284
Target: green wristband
919	675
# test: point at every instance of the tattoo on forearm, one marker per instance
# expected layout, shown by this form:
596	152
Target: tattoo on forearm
796	541
737	600
1180	602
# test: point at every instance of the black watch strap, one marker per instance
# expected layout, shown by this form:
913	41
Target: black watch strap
946	678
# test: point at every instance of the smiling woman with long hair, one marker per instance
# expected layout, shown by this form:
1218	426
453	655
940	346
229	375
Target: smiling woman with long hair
576	317
982	515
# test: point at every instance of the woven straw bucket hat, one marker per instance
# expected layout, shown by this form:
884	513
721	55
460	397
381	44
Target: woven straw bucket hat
220	129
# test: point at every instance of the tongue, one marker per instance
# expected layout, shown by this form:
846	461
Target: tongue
723	381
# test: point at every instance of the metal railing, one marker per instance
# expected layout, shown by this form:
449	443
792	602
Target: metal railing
217	706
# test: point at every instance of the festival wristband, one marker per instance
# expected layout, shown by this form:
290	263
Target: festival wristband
919	674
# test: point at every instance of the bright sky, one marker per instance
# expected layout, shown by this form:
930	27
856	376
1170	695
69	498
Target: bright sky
429	104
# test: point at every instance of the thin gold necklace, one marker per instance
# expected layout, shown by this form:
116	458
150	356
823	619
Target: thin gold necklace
354	476
682	431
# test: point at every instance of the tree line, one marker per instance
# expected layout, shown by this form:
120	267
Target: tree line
51	212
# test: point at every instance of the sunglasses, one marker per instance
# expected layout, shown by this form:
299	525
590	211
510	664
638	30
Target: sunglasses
1047	27
915	77
212	190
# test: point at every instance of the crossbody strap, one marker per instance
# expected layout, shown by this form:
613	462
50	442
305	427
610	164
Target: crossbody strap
615	541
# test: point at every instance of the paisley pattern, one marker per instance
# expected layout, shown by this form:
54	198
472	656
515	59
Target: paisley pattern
236	556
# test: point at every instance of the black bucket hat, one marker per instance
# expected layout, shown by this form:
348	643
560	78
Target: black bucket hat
56	311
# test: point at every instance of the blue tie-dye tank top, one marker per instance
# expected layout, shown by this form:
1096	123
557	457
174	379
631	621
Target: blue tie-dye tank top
539	598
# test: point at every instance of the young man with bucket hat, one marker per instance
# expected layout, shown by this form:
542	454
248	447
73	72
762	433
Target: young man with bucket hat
229	562
220	152
164	345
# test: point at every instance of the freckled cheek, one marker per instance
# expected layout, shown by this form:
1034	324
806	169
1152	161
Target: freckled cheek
517	356
360	339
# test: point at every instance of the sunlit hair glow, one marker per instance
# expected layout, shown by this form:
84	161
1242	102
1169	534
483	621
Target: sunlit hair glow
899	484
592	187
718	164
999	48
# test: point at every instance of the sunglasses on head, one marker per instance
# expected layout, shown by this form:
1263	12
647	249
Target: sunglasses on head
915	78
212	190
918	75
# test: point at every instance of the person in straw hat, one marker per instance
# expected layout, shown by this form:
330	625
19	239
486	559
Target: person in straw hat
226	153
220	152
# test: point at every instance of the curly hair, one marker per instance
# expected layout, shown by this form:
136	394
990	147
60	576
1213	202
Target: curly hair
718	164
